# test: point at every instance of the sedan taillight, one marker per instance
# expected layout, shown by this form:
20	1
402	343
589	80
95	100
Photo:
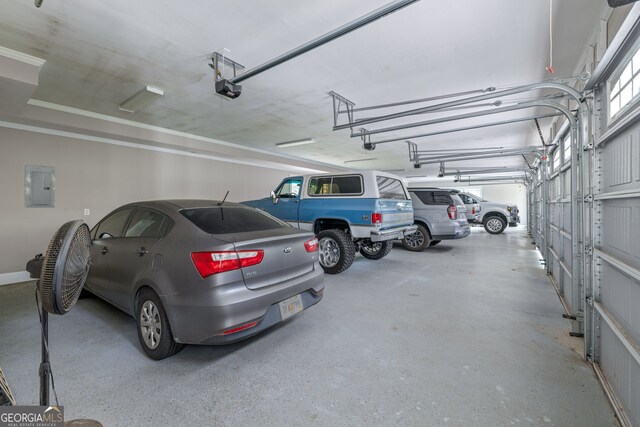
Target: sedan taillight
208	263
311	245
452	211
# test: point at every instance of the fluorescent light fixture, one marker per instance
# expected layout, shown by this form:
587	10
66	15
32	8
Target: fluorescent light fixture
361	160
143	97
296	142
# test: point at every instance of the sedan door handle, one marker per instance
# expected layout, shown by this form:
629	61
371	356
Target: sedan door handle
142	251
104	251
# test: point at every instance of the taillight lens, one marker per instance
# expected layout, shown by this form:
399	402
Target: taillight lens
376	218
473	211
311	245
208	263
452	211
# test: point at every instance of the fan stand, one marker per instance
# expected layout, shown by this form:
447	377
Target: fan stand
45	367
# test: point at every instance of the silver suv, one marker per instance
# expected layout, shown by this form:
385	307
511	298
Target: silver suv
439	215
494	216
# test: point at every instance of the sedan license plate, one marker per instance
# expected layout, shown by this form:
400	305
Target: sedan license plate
290	306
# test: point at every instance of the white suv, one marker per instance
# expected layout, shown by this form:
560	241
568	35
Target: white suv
494	216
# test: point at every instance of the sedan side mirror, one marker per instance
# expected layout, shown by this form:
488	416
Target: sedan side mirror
274	198
105	236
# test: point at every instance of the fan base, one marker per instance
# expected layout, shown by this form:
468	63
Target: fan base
82	423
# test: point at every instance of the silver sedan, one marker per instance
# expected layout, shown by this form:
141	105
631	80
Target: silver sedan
201	271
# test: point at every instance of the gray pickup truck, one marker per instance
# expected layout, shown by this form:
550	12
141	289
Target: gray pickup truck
493	216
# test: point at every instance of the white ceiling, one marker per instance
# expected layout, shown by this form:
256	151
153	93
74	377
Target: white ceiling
98	53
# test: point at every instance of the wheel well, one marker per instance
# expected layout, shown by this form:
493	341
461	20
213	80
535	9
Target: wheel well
329	224
424	224
137	296
498	214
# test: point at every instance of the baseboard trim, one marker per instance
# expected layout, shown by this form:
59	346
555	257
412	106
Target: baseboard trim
15	277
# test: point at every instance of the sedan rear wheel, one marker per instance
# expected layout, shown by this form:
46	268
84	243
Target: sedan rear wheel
417	241
335	251
375	250
154	331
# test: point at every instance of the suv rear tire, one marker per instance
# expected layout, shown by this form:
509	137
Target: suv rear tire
376	250
336	251
418	241
494	225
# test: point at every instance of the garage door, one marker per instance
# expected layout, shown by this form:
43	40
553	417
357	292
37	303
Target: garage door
614	306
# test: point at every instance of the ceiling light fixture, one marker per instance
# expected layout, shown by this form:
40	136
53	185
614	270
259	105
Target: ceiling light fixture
296	142
141	98
361	160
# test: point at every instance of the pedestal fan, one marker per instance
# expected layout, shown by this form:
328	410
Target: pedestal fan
64	270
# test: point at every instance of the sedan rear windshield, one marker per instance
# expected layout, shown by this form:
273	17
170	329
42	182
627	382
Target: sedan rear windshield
232	219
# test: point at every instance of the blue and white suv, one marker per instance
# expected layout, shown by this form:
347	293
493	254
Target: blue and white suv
359	211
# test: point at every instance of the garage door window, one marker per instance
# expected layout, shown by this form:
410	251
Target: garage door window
625	87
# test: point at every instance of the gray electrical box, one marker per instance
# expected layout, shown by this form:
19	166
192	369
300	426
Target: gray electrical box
39	186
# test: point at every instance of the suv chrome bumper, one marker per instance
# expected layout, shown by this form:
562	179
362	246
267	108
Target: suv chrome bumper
393	233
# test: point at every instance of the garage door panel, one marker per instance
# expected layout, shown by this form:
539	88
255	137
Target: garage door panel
566	184
553	214
621	298
556	241
568	290
622	371
621	162
566	217
566	251
620	235
555	269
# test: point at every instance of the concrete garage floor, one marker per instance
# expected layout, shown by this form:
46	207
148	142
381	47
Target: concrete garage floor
467	333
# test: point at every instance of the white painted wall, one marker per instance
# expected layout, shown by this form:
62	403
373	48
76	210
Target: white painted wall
508	193
102	177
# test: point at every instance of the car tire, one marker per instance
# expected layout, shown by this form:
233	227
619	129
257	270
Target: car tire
154	331
494	225
434	242
336	251
376	250
418	241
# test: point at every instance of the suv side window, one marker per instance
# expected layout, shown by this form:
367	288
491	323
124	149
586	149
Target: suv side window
290	188
145	223
466	199
113	225
425	197
336	185
390	188
442	198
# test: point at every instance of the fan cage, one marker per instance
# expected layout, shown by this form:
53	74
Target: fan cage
65	267
6	398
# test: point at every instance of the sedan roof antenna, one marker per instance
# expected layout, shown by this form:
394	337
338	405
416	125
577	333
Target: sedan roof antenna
225	198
